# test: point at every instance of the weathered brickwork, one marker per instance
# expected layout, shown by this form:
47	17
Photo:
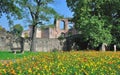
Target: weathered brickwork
47	39
49	32
42	44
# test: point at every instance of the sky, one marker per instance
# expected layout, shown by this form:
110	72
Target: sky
59	5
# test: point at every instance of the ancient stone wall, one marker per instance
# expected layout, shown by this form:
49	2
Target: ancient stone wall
2	44
4	41
49	32
45	33
42	44
46	45
57	26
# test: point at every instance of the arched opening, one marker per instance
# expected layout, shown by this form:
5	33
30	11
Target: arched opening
62	25
71	25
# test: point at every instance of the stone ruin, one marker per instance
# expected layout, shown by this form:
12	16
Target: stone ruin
4	40
46	39
54	32
10	42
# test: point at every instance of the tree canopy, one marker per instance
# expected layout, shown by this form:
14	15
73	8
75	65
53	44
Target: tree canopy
2	29
11	10
17	30
97	20
9	7
39	12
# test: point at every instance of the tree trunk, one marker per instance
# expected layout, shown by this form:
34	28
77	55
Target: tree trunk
33	39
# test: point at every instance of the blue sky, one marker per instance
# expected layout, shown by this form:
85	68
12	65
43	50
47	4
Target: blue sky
59	5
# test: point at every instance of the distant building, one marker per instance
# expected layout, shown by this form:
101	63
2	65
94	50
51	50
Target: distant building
51	32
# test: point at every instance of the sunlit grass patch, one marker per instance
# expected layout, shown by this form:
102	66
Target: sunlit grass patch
65	63
8	55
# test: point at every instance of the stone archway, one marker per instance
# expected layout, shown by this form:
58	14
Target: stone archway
65	26
62	25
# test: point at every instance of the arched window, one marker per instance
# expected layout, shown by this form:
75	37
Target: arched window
62	25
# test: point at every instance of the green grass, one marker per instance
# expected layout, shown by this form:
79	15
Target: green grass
64	63
8	55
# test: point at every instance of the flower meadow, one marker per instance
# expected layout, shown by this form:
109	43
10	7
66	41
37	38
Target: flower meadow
64	63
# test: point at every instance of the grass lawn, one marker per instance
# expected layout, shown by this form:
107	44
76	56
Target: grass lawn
61	63
8	55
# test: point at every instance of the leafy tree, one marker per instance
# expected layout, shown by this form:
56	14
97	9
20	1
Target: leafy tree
116	35
95	19
26	35
36	11
46	26
17	30
10	7
11	10
40	12
2	29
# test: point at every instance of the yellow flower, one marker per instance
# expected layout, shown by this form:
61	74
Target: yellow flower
4	70
38	74
13	72
7	65
45	66
119	66
10	62
30	70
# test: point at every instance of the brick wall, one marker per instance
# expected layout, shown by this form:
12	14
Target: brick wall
42	44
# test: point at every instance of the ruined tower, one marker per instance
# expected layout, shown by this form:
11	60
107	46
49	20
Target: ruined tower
65	27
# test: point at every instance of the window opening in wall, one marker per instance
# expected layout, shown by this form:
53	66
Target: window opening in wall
62	25
70	25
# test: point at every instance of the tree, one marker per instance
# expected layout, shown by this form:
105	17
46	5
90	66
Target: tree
17	30
40	12
2	29
11	10
9	7
46	26
95	19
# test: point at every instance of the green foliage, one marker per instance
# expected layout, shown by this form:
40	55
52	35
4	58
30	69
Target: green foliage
116	35
61	38
46	26
26	35
55	50
63	63
40	12
98	20
2	29
94	31
17	30
10	8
